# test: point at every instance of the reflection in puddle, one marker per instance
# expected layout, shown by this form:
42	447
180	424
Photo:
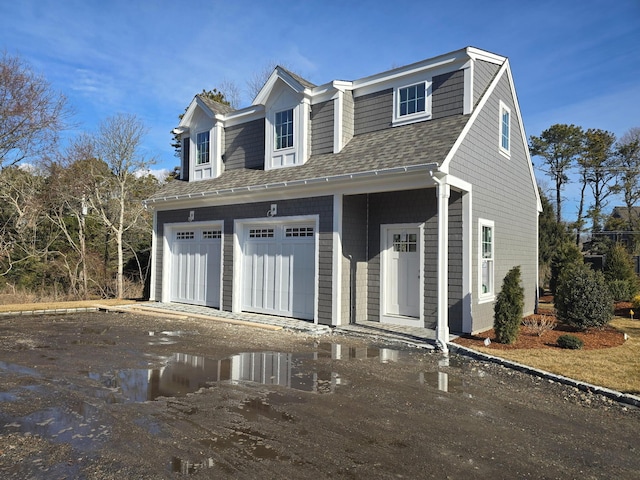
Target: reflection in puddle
186	373
441	380
19	369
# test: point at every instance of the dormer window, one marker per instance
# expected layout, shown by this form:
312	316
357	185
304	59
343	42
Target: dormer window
412	100
202	148
412	103
284	129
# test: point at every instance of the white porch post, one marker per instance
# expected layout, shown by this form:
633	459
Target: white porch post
442	328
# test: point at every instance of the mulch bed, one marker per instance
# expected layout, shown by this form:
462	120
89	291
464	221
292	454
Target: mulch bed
593	338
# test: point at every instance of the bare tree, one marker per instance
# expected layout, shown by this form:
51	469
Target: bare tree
68	191
31	113
114	195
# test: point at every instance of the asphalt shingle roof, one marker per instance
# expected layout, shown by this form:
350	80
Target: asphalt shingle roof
215	107
414	144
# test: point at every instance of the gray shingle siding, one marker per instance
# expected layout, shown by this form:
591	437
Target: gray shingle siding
455	260
373	112
322	128
347	117
321	206
412	206
244	146
503	192
483	74
354	257
447	94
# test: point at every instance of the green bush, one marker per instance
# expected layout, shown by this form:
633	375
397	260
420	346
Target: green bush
621	290
566	254
582	299
508	308
570	341
619	267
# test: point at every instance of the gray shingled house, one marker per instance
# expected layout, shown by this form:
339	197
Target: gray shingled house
403	197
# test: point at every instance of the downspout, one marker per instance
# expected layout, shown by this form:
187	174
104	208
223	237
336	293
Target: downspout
443	193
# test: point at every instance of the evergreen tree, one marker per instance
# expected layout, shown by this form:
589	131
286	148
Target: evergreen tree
508	308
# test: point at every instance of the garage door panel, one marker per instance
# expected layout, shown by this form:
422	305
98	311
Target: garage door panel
279	270
195	266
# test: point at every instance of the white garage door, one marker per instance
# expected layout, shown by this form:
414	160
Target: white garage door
279	270
195	266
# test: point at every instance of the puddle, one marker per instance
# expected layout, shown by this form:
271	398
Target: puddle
443	381
19	369
76	424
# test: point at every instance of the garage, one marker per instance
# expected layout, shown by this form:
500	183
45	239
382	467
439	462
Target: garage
278	273
195	265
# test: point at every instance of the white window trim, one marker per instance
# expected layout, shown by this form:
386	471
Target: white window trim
503	108
208	162
414	117
486	297
300	132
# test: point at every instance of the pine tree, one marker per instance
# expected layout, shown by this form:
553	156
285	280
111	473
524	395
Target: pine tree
508	308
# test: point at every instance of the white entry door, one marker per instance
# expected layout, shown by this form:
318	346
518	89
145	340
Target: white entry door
279	270
401	272
195	266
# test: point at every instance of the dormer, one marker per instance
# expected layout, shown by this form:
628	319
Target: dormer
201	131
286	98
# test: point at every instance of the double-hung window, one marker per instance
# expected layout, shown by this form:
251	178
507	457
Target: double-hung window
284	129
505	129
202	148
487	260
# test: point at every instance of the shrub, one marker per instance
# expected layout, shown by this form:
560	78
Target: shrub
508	308
567	254
582	299
636	302
570	341
539	324
621	290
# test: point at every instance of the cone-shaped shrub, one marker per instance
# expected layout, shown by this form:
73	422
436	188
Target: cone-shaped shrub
508	308
582	299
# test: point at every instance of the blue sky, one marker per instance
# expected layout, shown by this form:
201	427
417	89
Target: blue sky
573	61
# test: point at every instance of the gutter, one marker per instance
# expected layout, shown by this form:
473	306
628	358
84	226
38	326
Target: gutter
426	167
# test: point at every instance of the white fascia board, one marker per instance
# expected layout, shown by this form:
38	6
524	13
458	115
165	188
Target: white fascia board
407	177
278	73
477	54
487	94
237	117
186	118
398	76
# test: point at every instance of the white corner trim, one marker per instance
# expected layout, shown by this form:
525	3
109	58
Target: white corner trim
154	255
336	281
338	112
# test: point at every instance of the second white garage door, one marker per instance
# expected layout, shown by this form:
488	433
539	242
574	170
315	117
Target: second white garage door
279	270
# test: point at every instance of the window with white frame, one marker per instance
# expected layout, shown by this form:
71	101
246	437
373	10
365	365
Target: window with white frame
202	148
412	99
284	129
505	129
486	260
411	103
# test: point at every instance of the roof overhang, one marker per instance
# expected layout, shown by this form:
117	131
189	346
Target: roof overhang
387	179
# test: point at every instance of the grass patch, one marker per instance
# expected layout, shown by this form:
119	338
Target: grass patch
617	368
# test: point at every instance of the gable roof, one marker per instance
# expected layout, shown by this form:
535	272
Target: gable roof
215	107
410	145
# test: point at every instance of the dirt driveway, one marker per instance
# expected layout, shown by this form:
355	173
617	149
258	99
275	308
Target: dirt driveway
106	396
